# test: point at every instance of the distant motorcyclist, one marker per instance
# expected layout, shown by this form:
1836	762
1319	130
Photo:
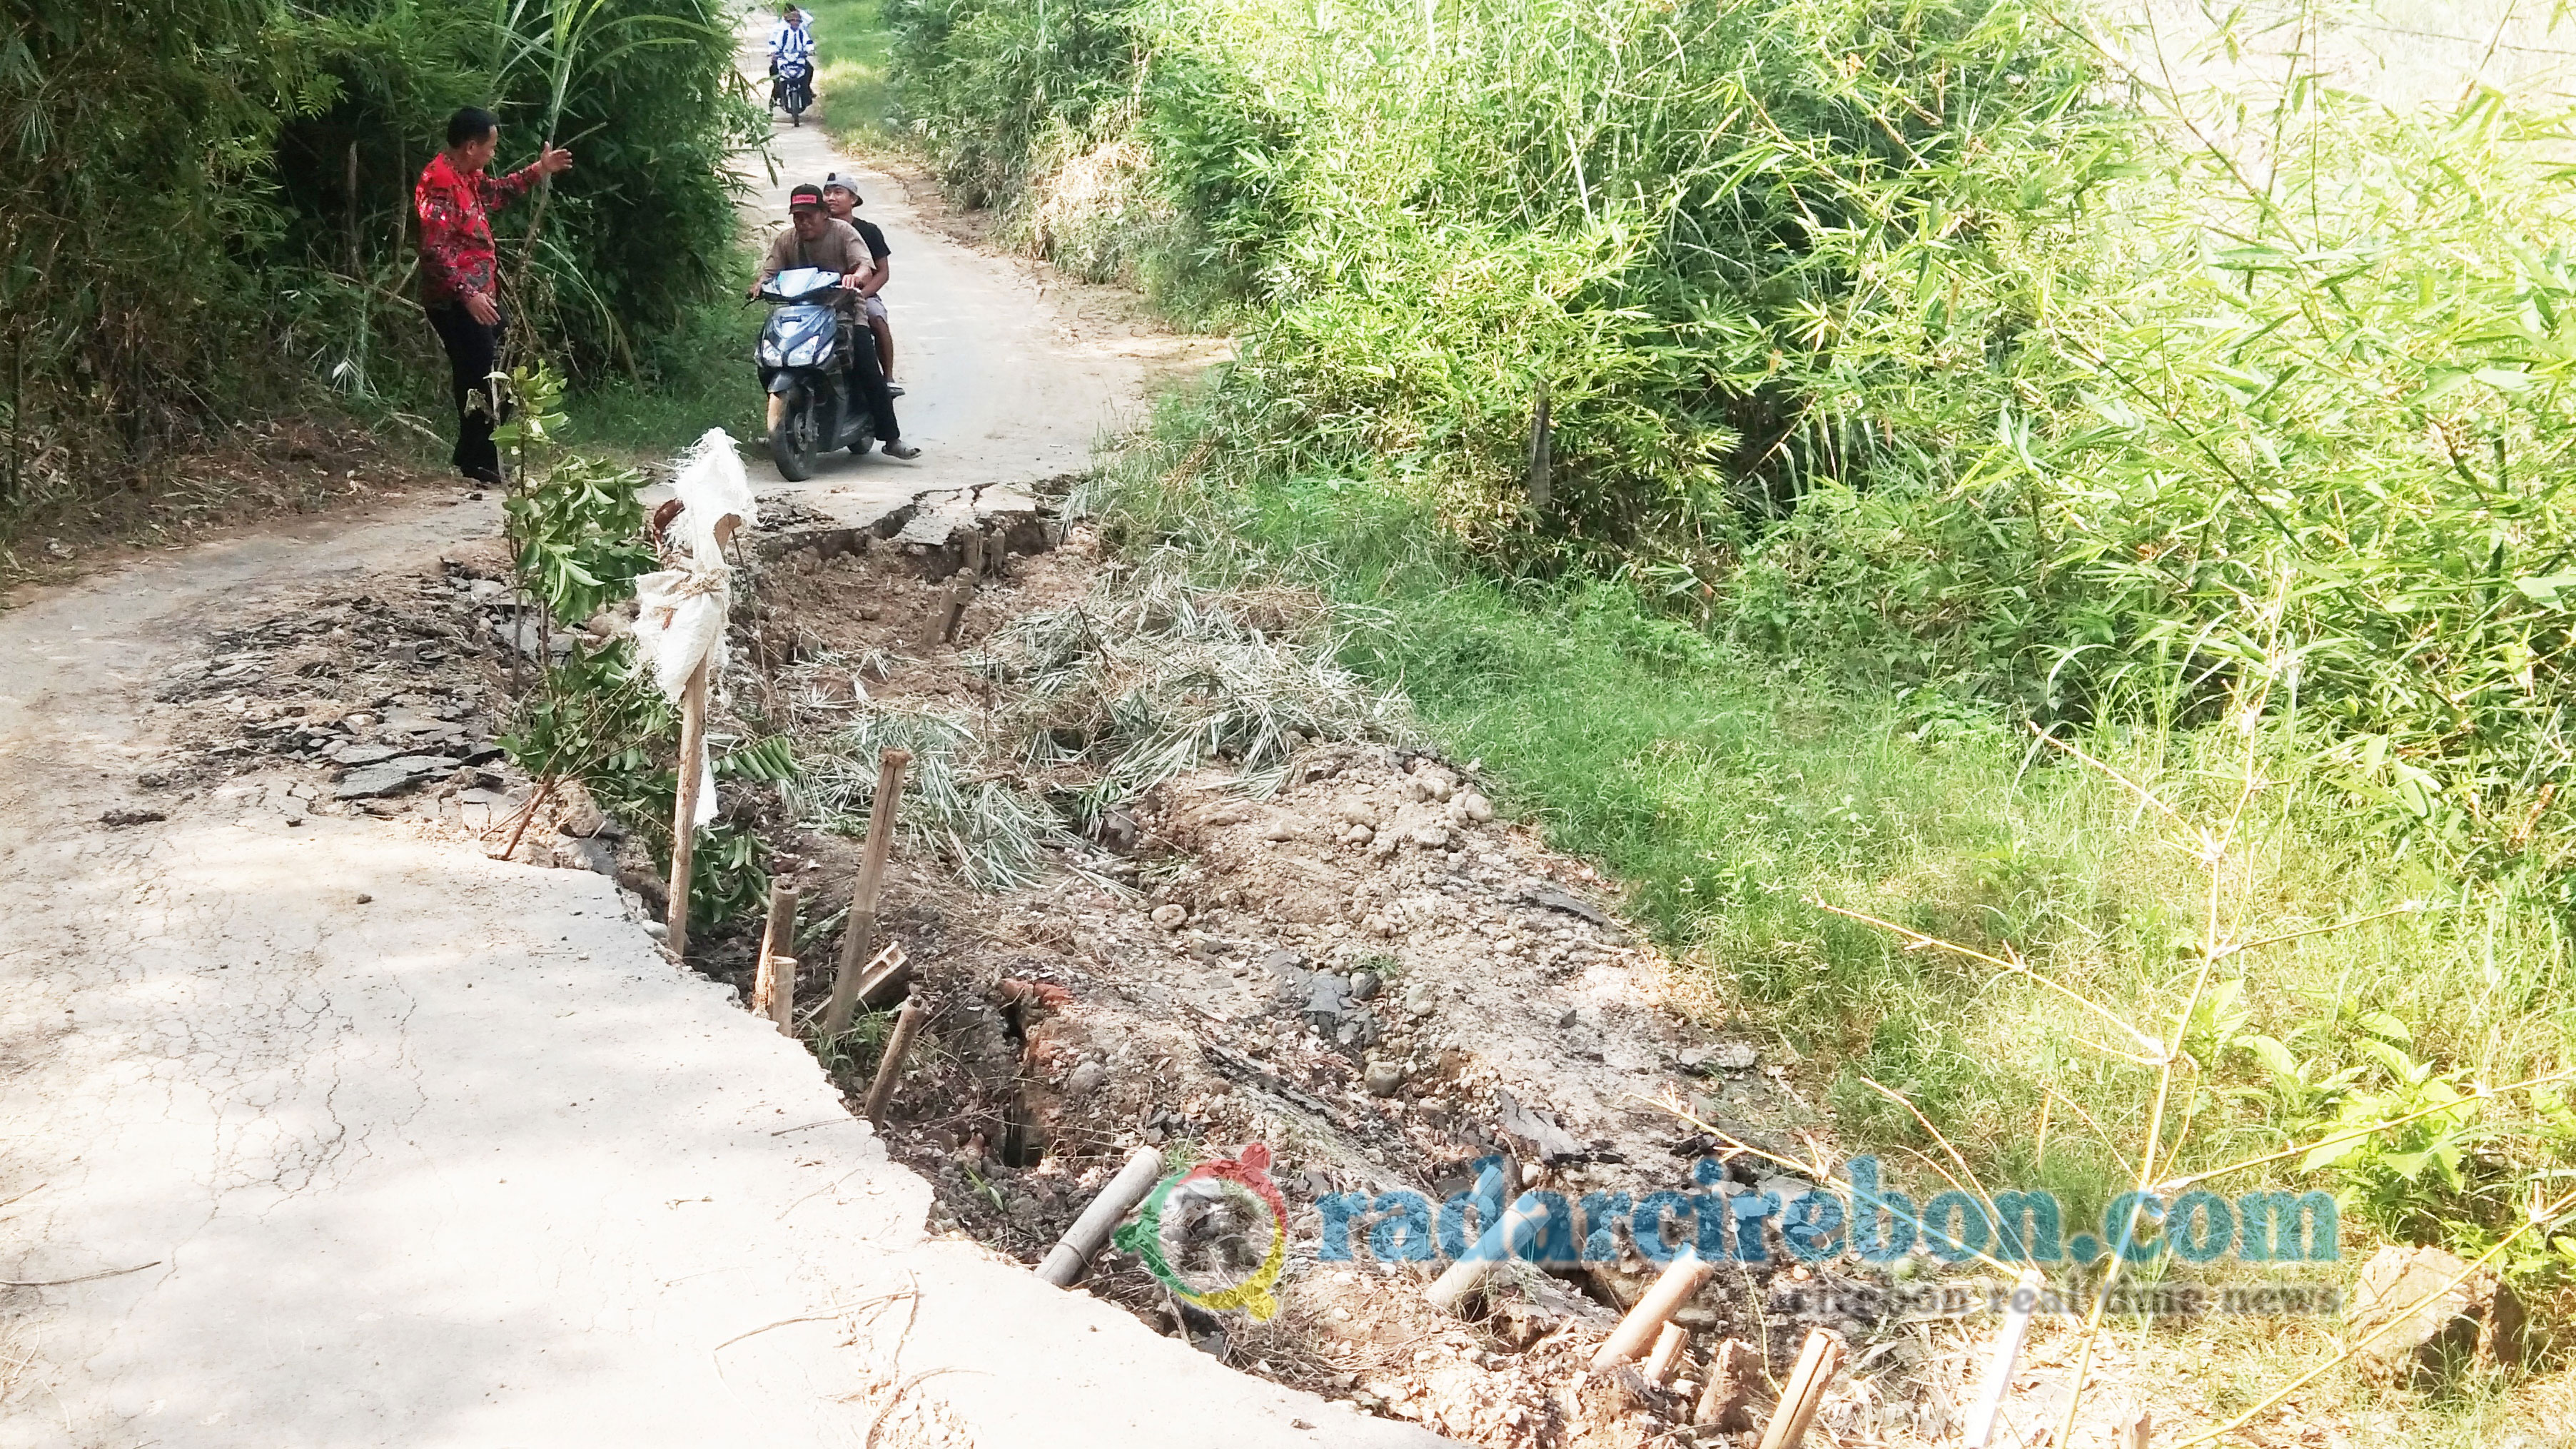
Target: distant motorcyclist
814	239
791	51
841	197
793	39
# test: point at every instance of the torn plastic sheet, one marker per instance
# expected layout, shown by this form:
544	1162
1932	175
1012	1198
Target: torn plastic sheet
681	612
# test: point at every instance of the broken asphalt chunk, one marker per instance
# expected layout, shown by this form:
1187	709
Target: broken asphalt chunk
391	777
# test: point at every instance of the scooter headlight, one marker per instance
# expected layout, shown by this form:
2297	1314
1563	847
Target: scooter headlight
809	352
771	354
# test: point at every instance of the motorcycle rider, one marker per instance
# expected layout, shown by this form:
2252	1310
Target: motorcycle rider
814	239
841	197
792	39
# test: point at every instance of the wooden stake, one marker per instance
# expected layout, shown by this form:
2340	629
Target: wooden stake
954	616
782	994
1822	1354
1725	1400
1073	1252
883	974
890	1066
2132	1433
1669	1347
777	938
693	743
1991	1392
1684	1276
858	937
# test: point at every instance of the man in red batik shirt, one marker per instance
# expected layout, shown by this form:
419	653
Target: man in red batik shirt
454	201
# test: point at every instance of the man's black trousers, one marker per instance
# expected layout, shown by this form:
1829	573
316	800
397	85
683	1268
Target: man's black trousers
473	350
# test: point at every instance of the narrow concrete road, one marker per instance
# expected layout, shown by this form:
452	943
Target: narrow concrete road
334	1135
1008	377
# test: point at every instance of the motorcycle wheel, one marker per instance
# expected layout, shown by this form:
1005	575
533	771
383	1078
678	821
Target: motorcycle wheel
791	442
863	447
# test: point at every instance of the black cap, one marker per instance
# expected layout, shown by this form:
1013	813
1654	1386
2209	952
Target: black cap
805	196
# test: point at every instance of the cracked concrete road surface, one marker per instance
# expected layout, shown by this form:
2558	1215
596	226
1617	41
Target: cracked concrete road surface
407	1147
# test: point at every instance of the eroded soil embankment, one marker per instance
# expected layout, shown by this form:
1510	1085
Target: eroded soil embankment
1337	950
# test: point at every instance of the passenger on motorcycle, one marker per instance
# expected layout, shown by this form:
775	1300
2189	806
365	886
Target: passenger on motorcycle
814	239
841	197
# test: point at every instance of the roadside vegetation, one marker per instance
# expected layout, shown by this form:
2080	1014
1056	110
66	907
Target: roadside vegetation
1778	437
207	211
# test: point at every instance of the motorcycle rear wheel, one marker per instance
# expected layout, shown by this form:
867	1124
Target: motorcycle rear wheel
791	440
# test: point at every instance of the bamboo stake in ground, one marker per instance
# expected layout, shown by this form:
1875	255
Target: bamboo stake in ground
1524	1221
1670	1345
777	938
782	993
858	938
1072	1252
684	817
1723	1398
890	1066
1805	1391
1989	1403
1684	1276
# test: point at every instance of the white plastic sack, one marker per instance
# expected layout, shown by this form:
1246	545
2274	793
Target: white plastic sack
680	613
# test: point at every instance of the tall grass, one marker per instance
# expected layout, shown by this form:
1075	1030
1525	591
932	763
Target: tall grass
1738	802
1762	427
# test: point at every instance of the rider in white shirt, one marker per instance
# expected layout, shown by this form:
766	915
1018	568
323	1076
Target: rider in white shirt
792	40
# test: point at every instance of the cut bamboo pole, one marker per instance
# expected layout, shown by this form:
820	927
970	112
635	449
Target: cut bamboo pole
782	994
777	938
684	816
1805	1392
1528	1215
884	973
1723	1399
858	937
1991	1391
1670	1345
1073	1252
1684	1276
2133	1433
890	1066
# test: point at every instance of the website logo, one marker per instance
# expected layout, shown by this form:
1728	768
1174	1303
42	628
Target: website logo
1216	1235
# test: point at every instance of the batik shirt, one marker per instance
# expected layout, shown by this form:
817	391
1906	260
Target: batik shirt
456	254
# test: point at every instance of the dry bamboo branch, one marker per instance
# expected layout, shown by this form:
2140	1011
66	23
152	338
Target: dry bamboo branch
1997	1383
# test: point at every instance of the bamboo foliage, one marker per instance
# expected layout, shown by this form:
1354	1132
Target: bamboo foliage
185	188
